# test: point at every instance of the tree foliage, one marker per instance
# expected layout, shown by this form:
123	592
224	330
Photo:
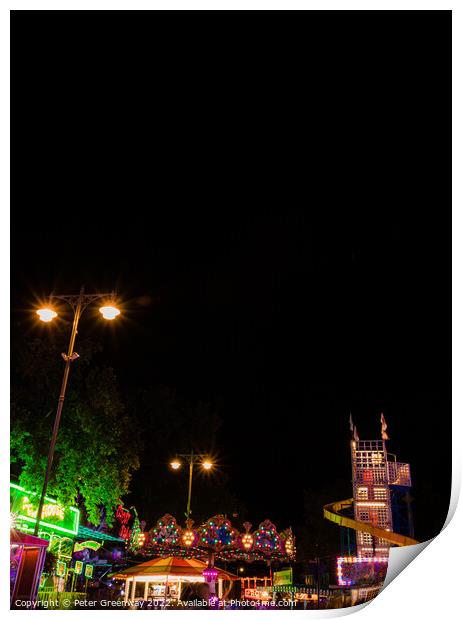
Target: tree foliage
98	443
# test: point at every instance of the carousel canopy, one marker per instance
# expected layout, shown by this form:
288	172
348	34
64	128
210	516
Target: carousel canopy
176	567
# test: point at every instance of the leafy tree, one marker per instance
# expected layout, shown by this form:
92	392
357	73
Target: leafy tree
98	443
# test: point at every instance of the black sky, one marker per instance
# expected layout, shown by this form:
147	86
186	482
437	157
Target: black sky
276	219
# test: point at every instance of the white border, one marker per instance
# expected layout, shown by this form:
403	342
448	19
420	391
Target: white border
431	586
231	5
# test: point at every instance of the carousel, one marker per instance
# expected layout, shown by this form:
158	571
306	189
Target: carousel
187	554
217	539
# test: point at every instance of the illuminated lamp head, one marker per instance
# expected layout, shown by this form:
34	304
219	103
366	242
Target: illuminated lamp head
109	312
46	314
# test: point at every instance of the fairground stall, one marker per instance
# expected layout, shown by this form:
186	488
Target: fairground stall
162	579
58	529
27	555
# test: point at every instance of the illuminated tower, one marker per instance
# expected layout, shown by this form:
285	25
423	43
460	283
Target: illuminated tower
375	475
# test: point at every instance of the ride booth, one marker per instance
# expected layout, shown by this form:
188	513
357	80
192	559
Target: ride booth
27	555
163	579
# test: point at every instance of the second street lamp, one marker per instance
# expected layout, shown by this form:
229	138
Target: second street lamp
192	459
78	303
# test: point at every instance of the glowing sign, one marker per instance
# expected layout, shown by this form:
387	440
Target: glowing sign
282	577
88	544
54	517
48	510
61	568
123	516
256	595
89	571
78	567
354	570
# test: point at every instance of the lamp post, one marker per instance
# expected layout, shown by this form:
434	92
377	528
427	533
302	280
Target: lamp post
192	459
78	303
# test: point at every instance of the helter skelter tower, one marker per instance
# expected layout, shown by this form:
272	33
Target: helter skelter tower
379	482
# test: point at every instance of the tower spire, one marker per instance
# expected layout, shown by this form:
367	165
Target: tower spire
353	429
384	427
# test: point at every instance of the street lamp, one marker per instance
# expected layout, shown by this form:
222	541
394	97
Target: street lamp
109	312
78	303
46	314
192	459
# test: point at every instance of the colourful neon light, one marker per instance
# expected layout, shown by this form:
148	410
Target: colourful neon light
55	512
61	568
78	567
89	571
354	560
210	574
88	544
50	525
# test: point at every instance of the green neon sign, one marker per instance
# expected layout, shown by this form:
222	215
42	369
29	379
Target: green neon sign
282	577
89	571
78	567
61	568
54	517
88	544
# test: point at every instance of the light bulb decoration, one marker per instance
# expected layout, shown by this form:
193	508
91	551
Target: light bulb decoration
217	535
166	532
267	540
288	542
137	535
353	570
210	574
189	536
247	538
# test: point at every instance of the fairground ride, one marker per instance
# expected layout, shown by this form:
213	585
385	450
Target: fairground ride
380	504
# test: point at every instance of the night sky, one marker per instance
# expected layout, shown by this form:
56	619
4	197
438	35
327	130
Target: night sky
277	225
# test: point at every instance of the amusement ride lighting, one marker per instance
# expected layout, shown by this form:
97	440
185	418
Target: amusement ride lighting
188	538
210	574
289	547
247	541
354	560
